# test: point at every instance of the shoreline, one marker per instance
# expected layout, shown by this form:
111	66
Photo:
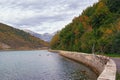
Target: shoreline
58	51
24	49
105	66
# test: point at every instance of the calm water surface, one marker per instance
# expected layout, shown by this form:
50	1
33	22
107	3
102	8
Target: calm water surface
41	65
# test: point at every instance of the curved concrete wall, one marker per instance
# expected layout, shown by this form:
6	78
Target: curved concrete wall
103	66
109	73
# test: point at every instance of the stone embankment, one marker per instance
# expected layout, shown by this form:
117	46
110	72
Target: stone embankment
101	65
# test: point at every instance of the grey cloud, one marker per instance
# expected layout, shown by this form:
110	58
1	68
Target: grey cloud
70	8
38	20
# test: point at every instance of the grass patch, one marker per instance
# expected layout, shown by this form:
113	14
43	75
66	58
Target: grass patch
110	55
118	76
113	55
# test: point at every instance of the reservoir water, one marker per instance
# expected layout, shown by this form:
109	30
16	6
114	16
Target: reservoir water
41	65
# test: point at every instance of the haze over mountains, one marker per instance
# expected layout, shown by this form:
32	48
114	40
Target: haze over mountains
46	36
12	38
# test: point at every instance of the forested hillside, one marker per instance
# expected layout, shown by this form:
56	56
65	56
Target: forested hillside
11	38
98	26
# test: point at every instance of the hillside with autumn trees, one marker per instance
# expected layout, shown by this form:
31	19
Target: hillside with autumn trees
97	27
12	38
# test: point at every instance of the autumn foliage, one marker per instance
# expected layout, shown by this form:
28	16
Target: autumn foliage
18	39
99	25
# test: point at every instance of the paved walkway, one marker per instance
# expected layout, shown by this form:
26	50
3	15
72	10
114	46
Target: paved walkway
117	61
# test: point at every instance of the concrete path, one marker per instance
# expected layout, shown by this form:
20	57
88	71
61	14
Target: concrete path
117	61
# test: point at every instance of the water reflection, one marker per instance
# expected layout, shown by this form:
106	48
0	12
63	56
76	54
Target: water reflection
41	65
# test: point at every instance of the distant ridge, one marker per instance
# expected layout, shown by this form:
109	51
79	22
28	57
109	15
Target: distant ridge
12	38
46	36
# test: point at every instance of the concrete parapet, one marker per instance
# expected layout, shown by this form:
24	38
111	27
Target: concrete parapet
109	73
101	65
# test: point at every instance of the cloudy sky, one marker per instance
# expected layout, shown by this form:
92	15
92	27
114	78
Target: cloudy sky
41	16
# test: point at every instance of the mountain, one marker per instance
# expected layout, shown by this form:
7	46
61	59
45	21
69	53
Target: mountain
46	36
12	38
97	29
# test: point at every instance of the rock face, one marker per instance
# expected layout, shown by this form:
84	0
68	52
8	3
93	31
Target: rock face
4	46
